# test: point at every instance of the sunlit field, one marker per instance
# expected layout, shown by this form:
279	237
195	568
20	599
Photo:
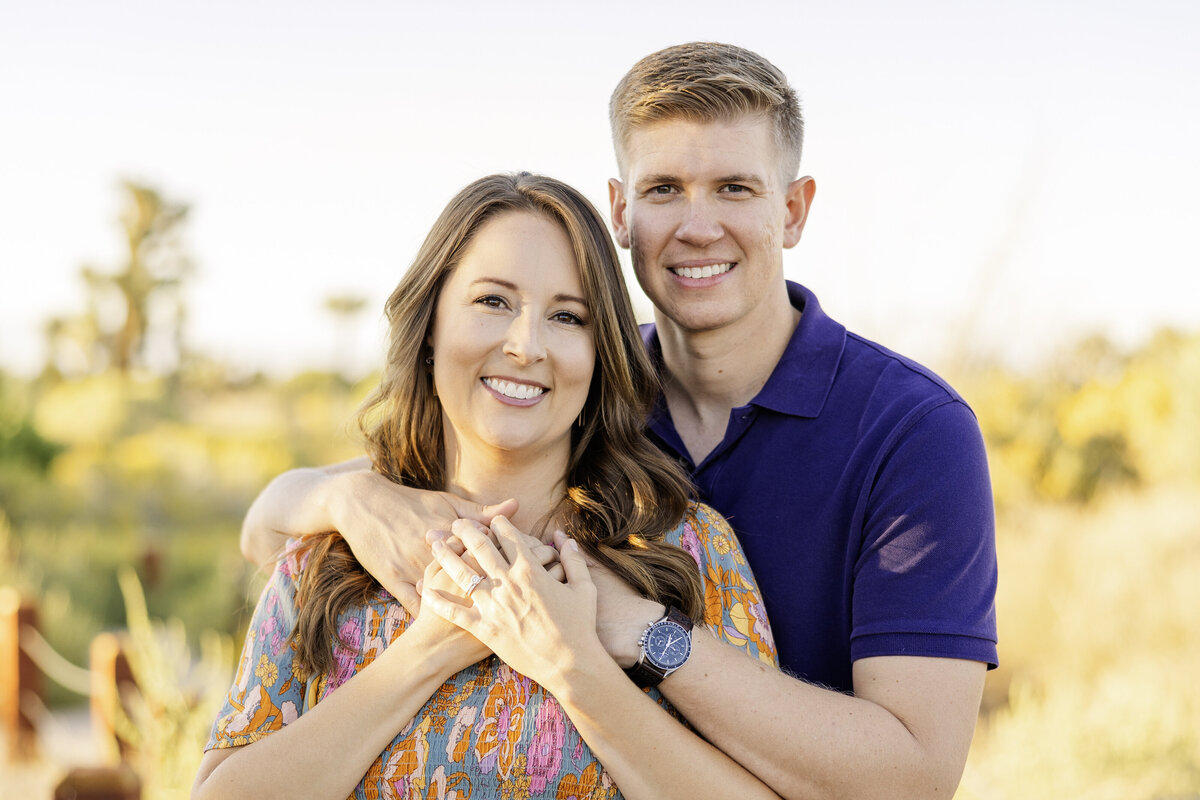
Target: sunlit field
122	486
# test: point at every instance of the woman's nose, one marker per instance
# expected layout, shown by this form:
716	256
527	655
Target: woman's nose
524	341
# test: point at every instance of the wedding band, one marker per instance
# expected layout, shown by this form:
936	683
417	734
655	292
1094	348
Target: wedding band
478	579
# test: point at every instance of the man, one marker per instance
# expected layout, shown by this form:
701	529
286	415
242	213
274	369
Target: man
855	479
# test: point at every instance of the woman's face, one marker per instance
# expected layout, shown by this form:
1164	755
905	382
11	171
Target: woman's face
512	340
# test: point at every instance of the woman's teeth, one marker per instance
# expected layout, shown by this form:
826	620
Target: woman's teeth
517	391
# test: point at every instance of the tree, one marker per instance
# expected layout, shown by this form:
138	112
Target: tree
145	327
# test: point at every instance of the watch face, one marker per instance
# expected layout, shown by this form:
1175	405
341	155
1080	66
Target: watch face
668	645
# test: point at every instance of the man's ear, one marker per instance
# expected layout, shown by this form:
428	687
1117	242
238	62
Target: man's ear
616	202
800	193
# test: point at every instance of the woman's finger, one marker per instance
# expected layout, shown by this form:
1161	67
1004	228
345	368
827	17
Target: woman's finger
459	571
491	561
574	564
511	540
560	541
448	608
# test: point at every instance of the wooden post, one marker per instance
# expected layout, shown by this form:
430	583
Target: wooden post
111	676
99	783
19	677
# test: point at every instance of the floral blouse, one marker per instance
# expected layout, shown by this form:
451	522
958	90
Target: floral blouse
488	731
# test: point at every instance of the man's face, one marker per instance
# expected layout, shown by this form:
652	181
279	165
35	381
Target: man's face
706	212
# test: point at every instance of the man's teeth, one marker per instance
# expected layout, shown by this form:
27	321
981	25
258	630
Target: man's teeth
703	272
517	391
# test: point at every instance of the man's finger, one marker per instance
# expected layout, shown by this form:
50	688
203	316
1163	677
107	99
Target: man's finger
408	596
483	514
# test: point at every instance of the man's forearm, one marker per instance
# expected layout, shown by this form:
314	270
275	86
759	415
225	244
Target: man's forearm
905	734
293	504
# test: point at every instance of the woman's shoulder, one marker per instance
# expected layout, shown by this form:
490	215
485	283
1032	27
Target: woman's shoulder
700	521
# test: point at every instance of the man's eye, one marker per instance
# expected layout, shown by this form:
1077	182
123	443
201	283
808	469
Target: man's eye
664	189
735	188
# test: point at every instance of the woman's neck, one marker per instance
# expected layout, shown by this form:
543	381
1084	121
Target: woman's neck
538	483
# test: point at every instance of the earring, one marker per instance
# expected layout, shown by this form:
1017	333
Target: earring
429	361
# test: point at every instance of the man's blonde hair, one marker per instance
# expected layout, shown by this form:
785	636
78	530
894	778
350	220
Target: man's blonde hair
707	82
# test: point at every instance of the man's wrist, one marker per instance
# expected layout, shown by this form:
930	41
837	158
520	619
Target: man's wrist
335	493
629	639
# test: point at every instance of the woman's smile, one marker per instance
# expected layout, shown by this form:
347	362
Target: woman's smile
515	392
512	341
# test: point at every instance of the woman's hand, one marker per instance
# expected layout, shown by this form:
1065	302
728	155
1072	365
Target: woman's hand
519	609
466	649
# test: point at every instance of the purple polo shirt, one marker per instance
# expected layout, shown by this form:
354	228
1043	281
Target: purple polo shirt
858	485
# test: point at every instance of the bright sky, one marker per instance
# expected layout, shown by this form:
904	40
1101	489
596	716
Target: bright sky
997	177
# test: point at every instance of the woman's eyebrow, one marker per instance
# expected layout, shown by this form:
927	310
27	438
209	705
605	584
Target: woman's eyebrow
558	298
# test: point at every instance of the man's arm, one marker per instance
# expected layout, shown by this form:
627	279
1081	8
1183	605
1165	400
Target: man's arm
384	523
904	732
293	504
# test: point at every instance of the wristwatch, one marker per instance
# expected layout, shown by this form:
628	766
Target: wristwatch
666	645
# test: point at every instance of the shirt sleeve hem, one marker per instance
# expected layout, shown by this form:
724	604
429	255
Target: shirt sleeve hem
931	645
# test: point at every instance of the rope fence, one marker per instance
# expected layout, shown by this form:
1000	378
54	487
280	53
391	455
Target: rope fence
26	658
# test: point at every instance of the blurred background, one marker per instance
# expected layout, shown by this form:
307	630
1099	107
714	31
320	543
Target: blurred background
203	207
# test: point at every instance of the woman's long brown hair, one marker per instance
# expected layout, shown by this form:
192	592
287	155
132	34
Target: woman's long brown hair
623	494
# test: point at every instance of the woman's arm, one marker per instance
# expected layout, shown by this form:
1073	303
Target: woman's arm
326	751
546	630
384	523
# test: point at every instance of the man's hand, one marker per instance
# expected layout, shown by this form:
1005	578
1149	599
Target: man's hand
384	523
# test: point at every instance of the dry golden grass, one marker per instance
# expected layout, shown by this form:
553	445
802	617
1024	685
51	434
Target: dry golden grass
1097	696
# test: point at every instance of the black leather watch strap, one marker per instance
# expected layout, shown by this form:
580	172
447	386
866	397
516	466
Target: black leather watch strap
647	671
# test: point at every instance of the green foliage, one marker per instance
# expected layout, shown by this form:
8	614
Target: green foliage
1093	422
1095	464
166	720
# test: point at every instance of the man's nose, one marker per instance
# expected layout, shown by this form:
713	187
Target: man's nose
524	341
701	226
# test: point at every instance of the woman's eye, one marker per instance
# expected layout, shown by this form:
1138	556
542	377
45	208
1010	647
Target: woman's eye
568	318
492	301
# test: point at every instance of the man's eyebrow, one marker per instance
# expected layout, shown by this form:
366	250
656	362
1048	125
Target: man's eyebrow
659	178
558	298
742	178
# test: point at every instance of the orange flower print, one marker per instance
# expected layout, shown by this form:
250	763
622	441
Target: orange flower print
499	729
459	741
592	784
404	773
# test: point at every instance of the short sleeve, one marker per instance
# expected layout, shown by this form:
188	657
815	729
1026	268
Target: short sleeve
267	693
733	607
925	579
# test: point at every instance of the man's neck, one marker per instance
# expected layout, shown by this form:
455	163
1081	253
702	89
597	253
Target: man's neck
708	373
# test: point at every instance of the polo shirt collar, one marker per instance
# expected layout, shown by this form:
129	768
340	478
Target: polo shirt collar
801	381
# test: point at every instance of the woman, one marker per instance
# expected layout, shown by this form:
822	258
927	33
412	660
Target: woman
514	369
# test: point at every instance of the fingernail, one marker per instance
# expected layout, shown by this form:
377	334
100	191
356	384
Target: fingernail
571	543
438	546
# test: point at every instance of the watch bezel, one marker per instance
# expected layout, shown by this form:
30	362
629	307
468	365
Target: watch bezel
658	627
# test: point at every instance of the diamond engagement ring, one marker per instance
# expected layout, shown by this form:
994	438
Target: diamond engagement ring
478	579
